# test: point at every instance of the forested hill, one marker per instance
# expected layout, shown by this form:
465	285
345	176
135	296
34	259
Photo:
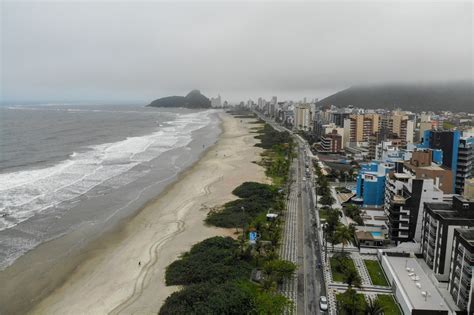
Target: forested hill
194	99
456	97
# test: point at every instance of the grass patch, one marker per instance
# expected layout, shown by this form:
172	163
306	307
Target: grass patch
338	266
389	305
345	302
376	272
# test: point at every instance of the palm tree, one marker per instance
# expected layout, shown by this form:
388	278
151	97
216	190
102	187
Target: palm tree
352	278
332	222
327	200
373	307
343	235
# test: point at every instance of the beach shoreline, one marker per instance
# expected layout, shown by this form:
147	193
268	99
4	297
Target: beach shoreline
108	278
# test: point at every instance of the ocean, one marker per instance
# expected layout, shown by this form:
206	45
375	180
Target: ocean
67	167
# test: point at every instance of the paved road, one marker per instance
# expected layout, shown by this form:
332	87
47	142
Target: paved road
300	243
313	280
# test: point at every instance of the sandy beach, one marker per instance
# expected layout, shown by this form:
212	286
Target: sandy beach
111	280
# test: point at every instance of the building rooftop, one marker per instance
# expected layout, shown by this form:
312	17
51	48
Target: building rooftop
467	235
417	287
402	175
461	209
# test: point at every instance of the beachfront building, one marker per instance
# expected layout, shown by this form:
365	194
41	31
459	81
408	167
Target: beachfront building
412	287
370	189
437	236
461	282
404	199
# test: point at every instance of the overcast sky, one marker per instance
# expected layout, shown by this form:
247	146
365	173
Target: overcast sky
112	51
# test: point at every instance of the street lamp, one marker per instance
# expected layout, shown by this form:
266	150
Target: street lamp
243	227
325	226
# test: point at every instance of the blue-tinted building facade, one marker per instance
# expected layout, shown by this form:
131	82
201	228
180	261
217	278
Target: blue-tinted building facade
370	190
448	143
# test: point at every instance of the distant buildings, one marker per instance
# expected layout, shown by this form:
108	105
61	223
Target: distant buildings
303	119
399	125
458	153
361	127
331	142
216	102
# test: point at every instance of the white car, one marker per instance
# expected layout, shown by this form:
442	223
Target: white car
323	303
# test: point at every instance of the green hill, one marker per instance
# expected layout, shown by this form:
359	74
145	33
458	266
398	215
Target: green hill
456	97
194	99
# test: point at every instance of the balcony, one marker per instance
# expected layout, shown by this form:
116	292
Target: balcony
467	270
466	281
457	272
431	251
404	226
431	243
468	259
464	295
398	200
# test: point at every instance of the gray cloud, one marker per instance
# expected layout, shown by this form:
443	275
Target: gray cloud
143	50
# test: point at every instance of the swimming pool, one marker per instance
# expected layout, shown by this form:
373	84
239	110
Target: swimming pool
376	234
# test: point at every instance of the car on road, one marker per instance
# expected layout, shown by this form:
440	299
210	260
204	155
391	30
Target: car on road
323	303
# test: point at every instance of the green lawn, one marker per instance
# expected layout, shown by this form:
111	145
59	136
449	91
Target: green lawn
336	266
376	272
389	305
360	304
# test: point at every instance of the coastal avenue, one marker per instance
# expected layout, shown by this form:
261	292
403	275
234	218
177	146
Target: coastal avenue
301	245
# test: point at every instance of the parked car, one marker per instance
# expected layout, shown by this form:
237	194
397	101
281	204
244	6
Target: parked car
323	303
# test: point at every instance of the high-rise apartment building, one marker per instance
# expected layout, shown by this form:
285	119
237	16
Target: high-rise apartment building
331	142
303	117
437	235
400	125
461	282
361	127
458	153
465	160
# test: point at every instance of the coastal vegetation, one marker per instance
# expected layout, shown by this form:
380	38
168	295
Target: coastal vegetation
215	259
278	153
255	199
222	275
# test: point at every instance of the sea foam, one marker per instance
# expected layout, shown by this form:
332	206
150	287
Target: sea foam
26	193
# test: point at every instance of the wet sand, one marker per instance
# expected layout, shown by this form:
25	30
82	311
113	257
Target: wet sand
110	280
